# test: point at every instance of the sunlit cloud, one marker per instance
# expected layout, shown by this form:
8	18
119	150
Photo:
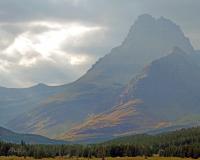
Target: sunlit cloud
47	44
27	62
4	65
40	47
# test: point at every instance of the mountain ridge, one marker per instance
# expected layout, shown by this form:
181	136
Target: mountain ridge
12	137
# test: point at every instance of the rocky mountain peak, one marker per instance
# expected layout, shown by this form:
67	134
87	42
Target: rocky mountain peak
161	32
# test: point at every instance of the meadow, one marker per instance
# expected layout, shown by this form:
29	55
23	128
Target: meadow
117	158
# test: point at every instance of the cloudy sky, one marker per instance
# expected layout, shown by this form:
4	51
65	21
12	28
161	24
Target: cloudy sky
56	41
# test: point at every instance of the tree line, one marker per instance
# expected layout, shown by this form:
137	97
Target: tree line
89	151
182	143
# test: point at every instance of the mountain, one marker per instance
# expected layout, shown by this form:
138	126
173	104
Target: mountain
165	94
98	90
12	137
147	40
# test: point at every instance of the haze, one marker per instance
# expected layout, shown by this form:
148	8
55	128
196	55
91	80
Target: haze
56	41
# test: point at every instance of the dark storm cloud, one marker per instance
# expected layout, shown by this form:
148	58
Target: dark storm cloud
82	10
118	15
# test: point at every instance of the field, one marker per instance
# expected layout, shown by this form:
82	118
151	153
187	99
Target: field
124	158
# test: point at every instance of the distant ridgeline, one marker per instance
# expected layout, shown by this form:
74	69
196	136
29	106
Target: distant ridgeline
181	143
12	137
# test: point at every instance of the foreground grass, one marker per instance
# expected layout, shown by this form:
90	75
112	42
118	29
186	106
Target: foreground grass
123	158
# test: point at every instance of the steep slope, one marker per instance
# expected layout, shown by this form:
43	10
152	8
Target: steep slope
12	137
121	119
99	88
165	94
170	85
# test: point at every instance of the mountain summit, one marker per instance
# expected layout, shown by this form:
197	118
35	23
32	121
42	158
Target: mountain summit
148	32
149	38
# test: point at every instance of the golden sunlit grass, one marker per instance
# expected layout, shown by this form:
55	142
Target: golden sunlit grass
124	158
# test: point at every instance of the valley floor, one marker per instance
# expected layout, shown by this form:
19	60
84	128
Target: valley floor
123	158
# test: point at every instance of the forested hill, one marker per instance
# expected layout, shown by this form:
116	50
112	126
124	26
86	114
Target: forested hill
178	137
182	143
